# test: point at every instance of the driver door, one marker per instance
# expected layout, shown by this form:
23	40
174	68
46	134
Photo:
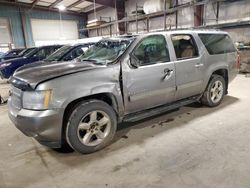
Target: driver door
152	82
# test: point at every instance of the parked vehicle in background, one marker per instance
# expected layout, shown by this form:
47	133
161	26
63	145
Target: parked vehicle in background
7	68
63	54
11	54
68	52
26	51
21	54
121	79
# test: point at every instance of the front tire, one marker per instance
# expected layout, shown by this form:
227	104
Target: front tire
215	91
91	126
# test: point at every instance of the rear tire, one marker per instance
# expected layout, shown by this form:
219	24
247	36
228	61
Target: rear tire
214	92
91	126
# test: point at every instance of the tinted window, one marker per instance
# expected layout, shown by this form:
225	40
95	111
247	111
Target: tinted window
57	55
73	54
151	50
79	52
25	52
184	46
217	43
41	53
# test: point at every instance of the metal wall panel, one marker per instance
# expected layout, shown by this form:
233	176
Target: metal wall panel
13	14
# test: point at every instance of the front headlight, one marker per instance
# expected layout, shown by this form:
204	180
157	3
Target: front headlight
37	100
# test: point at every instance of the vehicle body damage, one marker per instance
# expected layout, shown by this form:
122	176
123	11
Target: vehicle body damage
119	79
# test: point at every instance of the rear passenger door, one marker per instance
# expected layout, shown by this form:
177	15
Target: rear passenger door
189	66
152	82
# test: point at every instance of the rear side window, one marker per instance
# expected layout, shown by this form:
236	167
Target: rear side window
217	43
184	46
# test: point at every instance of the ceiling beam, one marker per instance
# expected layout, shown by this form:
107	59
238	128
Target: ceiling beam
37	7
75	4
107	3
34	3
97	9
90	8
55	3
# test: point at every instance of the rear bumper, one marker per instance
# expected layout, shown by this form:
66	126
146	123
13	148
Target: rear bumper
44	126
232	75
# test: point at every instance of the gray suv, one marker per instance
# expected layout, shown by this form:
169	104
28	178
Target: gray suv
126	78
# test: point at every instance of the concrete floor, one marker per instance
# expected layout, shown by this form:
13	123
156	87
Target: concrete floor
192	147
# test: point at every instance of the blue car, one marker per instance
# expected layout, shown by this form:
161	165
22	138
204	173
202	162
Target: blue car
11	54
21	54
7	68
63	54
68	52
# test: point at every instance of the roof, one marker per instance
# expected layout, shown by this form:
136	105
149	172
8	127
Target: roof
74	6
188	31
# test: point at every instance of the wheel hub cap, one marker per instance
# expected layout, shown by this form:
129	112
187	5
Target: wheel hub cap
216	91
94	128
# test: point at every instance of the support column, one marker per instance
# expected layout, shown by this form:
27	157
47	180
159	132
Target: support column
198	15
120	11
24	26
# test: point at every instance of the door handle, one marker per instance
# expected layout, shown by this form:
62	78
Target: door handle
199	65
167	72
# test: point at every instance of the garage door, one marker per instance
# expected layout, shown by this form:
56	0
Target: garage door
52	30
5	36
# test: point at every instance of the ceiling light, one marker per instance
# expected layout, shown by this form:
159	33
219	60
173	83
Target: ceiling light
61	7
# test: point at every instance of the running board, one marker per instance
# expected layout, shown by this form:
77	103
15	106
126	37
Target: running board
158	110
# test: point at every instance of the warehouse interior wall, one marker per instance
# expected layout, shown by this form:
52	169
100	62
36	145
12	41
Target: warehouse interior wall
229	12
23	38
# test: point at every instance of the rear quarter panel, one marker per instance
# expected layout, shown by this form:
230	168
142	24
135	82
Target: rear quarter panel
212	63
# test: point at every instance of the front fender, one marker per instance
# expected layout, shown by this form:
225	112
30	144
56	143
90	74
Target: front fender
112	90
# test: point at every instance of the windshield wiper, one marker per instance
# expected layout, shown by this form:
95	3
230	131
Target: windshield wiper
93	61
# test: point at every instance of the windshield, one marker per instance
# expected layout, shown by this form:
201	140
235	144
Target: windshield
13	53
32	52
26	51
106	51
57	55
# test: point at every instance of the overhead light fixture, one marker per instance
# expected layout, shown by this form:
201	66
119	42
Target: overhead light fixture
61	7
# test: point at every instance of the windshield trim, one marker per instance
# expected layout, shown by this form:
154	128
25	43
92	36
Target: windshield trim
131	40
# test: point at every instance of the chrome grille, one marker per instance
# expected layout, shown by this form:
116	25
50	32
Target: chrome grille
16	98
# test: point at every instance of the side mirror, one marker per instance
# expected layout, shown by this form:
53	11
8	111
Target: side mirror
133	61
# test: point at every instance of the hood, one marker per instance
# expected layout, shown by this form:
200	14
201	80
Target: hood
42	71
34	64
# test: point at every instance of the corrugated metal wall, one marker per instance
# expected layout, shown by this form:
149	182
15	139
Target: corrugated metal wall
13	14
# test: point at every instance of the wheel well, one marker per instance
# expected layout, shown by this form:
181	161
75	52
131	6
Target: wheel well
106	97
224	74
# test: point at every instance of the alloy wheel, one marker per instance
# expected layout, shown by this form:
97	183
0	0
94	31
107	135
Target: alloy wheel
94	128
216	92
